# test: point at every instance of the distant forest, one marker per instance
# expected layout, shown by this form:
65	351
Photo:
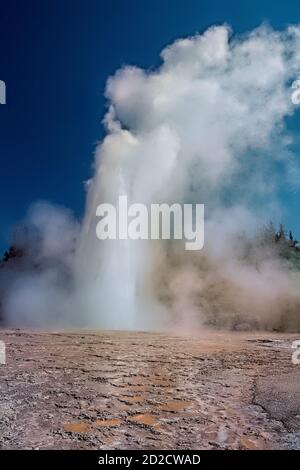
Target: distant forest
283	243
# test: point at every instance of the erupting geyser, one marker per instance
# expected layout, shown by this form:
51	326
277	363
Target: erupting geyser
207	127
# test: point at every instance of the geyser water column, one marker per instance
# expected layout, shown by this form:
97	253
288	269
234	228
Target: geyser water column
118	273
114	276
106	269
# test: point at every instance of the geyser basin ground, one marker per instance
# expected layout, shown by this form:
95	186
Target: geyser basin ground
111	390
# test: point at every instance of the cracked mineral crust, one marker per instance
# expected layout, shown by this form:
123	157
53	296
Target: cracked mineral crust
136	390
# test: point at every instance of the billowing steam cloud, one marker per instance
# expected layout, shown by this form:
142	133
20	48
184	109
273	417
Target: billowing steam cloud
207	127
35	286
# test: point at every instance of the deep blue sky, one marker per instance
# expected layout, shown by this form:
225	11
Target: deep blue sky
55	56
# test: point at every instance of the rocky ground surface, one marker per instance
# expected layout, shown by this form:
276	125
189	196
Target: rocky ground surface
110	390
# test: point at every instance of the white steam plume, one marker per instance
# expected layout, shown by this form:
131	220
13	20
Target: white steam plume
207	126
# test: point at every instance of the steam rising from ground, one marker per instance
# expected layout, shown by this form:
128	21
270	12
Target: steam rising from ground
206	127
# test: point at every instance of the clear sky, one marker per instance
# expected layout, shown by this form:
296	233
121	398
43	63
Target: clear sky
55	56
